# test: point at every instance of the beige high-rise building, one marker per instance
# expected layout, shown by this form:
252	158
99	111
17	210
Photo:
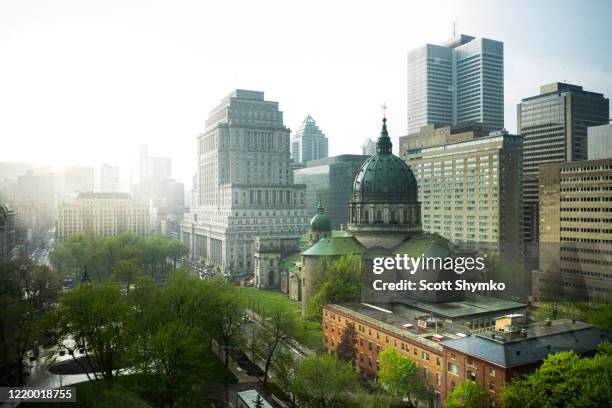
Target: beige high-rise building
102	214
575	231
469	184
244	184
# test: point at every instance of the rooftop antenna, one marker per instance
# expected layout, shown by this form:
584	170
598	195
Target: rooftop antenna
454	28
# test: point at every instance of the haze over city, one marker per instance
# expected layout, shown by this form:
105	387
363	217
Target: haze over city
86	82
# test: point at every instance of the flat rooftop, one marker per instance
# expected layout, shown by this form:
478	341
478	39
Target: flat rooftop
512	350
393	323
467	308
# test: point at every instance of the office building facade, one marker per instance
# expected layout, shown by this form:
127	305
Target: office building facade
456	82
599	142
575	231
102	214
469	185
109	178
308	142
330	180
244	185
554	126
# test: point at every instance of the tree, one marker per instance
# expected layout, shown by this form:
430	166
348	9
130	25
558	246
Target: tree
336	281
276	326
224	324
95	318
286	367
323	381
346	347
175	250
602	317
399	375
27	293
126	271
469	394
565	379
171	349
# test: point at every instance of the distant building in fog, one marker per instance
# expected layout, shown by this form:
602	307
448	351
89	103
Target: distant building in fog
109	178
79	179
7	232
368	147
102	214
599	145
155	187
308	143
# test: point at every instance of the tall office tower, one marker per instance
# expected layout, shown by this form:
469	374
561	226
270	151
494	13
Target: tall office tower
105	214
599	142
368	147
109	178
575	231
79	179
331	181
308	143
244	184
469	185
459	81
554	129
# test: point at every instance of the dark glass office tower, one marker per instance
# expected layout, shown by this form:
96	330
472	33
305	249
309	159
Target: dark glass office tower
331	181
554	129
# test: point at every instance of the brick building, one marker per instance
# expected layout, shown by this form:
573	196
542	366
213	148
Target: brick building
446	357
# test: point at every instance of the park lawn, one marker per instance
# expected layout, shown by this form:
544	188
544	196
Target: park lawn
260	301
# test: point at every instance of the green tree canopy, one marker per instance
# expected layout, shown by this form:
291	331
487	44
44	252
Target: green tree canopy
336	281
27	293
95	318
565	379
469	394
323	381
399	375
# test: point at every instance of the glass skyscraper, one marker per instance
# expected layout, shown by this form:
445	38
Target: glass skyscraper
456	82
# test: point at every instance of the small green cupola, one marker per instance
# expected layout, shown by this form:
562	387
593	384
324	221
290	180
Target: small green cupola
321	221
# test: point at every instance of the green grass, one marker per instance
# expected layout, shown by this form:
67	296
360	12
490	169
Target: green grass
260	301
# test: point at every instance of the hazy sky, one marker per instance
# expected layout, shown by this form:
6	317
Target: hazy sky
85	82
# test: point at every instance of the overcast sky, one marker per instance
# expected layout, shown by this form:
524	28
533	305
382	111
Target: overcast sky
85	82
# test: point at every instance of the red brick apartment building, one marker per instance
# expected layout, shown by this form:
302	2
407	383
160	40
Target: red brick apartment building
446	359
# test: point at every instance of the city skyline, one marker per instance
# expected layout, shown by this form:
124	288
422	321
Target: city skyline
168	72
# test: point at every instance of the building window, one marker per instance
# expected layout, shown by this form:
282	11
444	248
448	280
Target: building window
492	386
471	375
438	379
492	372
453	368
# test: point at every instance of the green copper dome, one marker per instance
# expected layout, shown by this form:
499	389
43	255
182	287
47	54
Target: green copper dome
384	177
321	221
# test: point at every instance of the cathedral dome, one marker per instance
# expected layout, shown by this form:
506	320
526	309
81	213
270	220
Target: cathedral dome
321	221
384	177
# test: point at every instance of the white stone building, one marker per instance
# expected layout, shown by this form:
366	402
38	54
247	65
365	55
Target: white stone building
244	186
